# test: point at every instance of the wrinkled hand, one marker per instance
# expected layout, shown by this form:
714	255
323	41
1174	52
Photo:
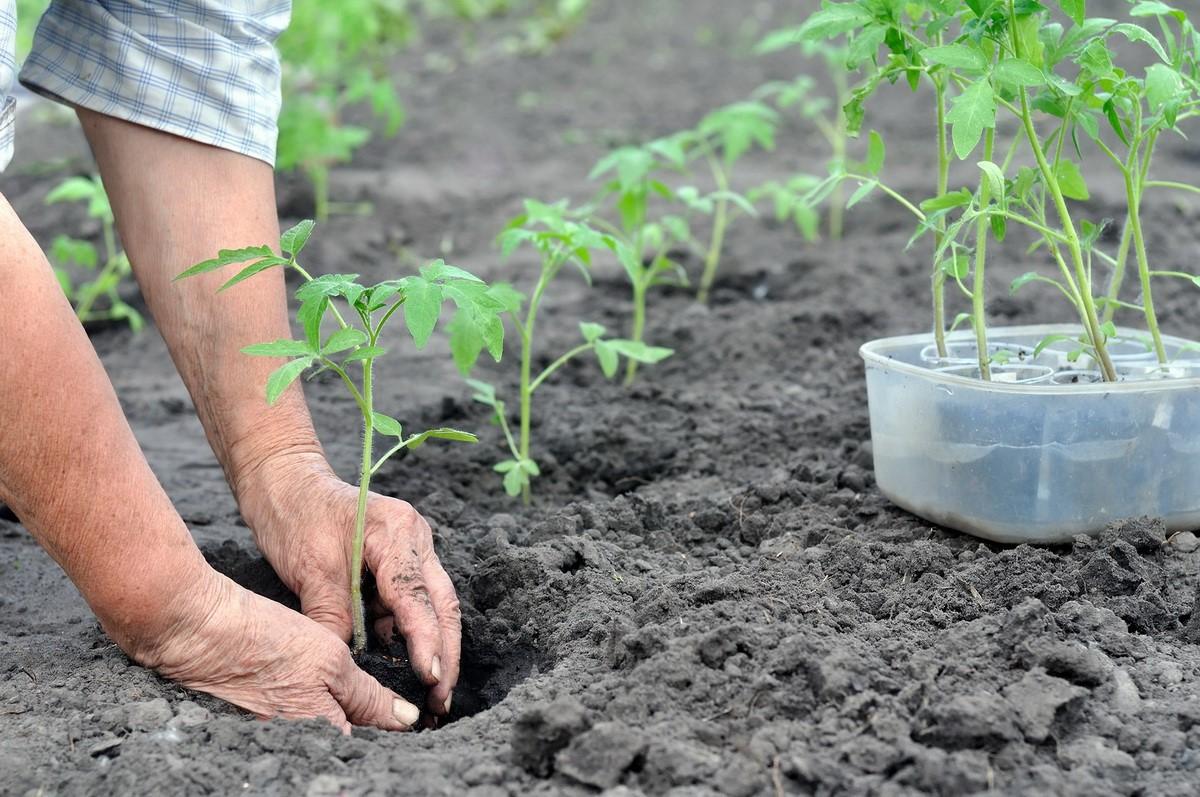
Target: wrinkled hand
302	517
269	660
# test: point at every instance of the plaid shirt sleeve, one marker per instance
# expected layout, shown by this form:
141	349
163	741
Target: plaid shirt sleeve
8	106
206	70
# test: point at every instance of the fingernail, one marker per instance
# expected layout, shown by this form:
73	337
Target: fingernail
436	668
446	705
405	712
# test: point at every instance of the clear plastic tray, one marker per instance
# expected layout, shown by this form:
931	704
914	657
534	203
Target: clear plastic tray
1045	451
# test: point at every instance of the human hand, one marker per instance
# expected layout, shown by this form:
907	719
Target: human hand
302	517
267	659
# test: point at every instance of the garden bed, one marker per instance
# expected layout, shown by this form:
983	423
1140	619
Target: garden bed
707	592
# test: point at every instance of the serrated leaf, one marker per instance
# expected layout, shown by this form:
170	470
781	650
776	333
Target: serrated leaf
956	56
365	353
310	315
1163	86
995	180
422	308
1136	33
1015	73
386	425
947	201
833	20
294	239
252	269
280	348
1075	9
861	193
283	376
973	112
227	257
441	433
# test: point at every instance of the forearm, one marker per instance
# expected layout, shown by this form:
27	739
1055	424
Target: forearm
70	467
177	202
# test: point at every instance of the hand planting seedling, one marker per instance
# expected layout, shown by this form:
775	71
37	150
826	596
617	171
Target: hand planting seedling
355	344
1010	55
99	298
560	241
632	179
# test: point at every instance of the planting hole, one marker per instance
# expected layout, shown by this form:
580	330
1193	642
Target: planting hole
488	673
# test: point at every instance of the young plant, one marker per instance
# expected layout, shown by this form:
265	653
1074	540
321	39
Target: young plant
355	345
335	57
560	241
642	244
824	113
721	139
987	56
96	299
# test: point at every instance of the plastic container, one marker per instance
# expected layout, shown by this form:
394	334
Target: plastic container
1044	451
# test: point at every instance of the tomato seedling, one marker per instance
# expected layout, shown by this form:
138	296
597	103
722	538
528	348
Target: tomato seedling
633	176
560	241
97	298
988	56
355	345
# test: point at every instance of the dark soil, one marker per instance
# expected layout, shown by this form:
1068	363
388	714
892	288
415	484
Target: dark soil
708	596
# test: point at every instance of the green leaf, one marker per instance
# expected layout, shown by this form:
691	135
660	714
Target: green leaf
957	267
1023	280
422	308
876	153
73	189
1050	340
484	393
956	56
973	112
280	348
342	339
227	257
1070	180
293	241
515	481
386	425
1108	329
441	433
365	353
948	201
636	350
1163	86
591	332
1136	33
861	193
610	361
779	40
252	269
283	376
1075	9
834	20
1015	73
995	180
310	315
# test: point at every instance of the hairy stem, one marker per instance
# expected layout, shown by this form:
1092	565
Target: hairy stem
1134	200
548	272
360	515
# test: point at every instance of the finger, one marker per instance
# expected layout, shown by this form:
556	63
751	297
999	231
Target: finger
449	615
402	588
366	702
330	710
328	604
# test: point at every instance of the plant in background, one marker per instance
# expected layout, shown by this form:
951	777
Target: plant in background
642	243
825	114
987	56
95	298
721	139
560	241
334	58
355	346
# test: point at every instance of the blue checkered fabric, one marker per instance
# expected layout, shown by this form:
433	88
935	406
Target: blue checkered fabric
206	70
8	106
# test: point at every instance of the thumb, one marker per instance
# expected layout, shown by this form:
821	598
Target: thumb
367	702
329	606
